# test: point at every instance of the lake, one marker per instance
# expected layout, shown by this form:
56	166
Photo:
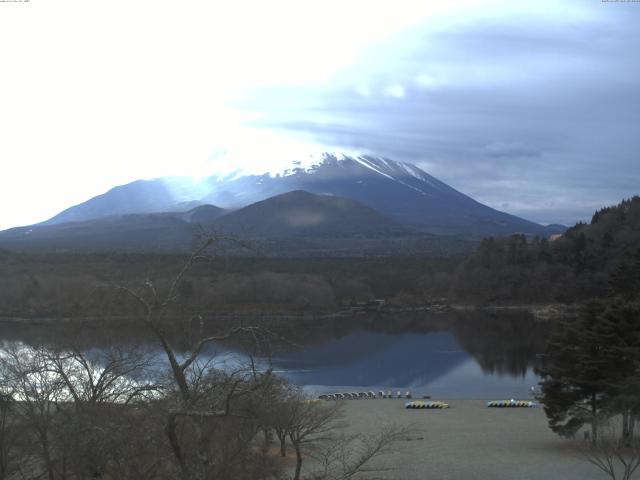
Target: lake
461	355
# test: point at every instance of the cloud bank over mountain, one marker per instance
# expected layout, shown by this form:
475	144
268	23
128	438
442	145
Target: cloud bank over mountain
533	110
529	107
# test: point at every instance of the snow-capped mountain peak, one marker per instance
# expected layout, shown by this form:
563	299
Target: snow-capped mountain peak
226	165
401	191
403	173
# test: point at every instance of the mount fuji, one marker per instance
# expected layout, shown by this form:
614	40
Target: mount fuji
400	191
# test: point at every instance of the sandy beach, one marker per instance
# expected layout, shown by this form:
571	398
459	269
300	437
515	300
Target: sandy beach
471	441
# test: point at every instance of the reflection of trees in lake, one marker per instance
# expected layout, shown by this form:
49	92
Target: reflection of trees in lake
504	343
98	335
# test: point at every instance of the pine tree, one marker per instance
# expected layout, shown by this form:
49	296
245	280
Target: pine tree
591	369
571	383
620	327
624	280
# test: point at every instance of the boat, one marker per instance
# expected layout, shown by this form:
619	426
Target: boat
423	404
511	404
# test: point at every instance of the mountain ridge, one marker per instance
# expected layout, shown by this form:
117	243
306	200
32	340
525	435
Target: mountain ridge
398	190
299	212
294	223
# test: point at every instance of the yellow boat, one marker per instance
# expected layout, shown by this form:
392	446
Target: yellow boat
511	404
423	404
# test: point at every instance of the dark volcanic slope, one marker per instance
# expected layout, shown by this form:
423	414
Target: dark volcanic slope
128	232
141	196
398	190
171	231
203	215
300	221
300	213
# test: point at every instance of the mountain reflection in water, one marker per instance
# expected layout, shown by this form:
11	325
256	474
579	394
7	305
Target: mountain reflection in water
368	358
472	355
425	363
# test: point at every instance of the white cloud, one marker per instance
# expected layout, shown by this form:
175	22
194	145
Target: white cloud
99	93
425	80
396	91
95	94
363	90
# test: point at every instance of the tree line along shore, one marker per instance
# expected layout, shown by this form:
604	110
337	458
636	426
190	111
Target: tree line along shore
586	262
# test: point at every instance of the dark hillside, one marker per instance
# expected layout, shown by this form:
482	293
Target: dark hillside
300	213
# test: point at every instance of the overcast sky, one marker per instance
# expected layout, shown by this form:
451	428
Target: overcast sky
530	107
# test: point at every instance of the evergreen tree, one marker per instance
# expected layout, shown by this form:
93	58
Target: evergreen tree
591	369
619	327
624	280
572	383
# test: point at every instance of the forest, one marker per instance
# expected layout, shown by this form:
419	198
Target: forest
586	262
583	263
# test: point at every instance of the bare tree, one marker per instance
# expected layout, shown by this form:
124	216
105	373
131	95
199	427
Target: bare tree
10	434
78	416
281	403
311	422
349	456
100	422
102	414
208	399
617	458
316	431
39	394
156	305
113	375
204	396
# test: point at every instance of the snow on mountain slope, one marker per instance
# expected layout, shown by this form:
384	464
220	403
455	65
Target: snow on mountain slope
396	189
393	170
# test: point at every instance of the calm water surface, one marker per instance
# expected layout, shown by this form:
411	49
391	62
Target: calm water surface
424	363
470	356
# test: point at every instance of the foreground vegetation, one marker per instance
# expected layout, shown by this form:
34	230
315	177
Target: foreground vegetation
120	413
64	415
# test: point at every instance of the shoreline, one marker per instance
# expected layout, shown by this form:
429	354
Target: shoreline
540	312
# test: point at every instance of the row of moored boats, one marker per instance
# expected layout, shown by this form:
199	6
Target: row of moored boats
364	395
418	404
